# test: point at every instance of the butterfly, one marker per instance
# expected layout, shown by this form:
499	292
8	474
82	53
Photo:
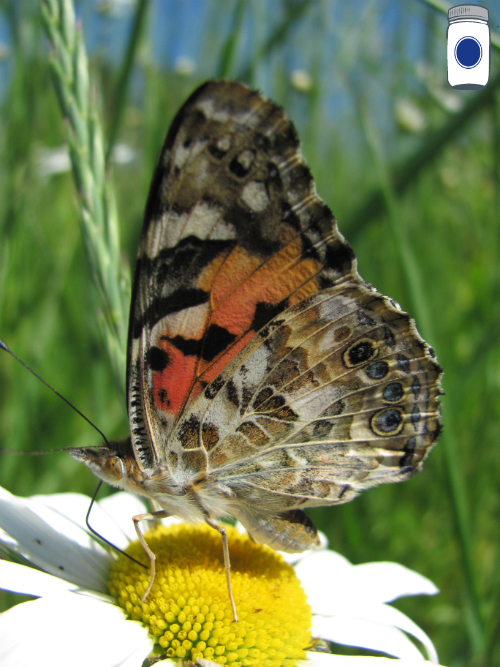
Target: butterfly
264	375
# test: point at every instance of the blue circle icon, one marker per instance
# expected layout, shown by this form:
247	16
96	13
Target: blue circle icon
468	52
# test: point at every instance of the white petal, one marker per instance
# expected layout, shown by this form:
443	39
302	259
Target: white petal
71	630
52	542
7	540
328	576
383	582
365	634
203	662
383	614
329	660
120	508
325	575
75	506
28	581
319	660
110	517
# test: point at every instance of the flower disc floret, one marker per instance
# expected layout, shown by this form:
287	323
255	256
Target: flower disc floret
188	610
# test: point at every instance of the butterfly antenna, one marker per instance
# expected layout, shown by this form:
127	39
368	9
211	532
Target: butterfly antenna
94	532
3	346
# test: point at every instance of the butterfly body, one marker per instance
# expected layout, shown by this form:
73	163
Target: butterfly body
263	375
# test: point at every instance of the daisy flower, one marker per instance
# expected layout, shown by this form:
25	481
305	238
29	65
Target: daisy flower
89	611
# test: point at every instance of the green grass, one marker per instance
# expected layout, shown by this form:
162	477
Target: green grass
433	245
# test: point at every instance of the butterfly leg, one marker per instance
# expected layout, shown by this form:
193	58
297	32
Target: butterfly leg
227	563
150	516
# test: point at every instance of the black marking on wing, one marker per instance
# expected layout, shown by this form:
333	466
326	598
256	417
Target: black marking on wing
340	257
157	359
249	232
215	341
265	312
188	346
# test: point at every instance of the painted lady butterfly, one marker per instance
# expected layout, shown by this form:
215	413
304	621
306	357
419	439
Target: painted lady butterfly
263	376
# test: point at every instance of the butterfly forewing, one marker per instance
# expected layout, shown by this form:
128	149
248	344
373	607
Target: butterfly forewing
234	234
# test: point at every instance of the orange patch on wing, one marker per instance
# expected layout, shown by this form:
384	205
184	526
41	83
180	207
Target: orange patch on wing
240	285
236	282
308	289
208	276
172	385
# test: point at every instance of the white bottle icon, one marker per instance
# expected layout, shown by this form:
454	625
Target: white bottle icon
468	47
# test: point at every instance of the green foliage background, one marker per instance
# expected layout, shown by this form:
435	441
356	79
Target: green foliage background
420	205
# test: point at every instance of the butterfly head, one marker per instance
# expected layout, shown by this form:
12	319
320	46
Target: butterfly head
112	462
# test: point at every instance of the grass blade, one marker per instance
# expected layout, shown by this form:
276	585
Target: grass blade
98	215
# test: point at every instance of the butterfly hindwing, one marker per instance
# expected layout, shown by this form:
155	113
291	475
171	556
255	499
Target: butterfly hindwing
234	233
337	394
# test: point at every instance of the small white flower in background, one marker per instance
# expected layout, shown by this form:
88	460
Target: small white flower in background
53	160
301	80
409	116
449	99
123	154
184	66
56	160
74	622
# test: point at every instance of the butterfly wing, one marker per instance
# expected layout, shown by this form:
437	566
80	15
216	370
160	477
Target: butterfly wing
284	381
263	374
234	234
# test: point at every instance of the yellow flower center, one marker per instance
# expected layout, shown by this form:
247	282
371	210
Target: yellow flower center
188	610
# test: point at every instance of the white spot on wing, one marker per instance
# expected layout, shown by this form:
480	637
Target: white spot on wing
255	196
173	230
222	231
208	108
189	323
202	218
182	153
224	144
181	156
246	118
245	158
257	368
165	234
204	221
